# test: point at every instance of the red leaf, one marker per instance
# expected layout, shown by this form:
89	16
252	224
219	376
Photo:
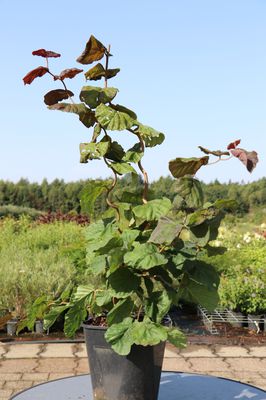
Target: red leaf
68	73
233	145
45	53
35	73
248	158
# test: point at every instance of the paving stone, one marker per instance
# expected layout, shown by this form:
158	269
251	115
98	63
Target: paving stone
231	351
60	365
170	353
18	366
257	351
204	364
18	385
53	350
81	351
5	394
28	350
10	377
3	349
35	376
53	376
176	364
260	383
197	351
82	367
247	364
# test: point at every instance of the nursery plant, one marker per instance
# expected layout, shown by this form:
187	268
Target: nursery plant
144	254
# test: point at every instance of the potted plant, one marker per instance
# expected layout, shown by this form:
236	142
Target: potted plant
143	254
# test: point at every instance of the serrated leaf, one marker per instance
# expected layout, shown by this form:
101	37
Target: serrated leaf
158	305
93	96
176	337
191	191
89	195
74	317
92	151
144	256
103	297
147	333
119	338
153	210
94	51
120	311
97	265
134	154
112	119
122	168
53	314
86	116
150	136
54	96
165	232
186	166
115	152
82	292
123	282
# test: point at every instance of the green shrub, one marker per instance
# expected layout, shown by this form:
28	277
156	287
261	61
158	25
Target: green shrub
17	212
35	260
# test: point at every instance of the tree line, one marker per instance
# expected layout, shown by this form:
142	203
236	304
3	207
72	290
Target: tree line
62	196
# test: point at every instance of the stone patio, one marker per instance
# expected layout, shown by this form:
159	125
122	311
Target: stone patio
27	364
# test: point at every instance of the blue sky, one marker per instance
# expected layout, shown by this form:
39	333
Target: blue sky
195	70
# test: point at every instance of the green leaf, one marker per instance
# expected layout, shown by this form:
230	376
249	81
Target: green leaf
95	73
186	166
103	297
134	154
122	168
92	151
200	284
98	235
200	216
225	204
158	304
129	236
114	119
123	282
97	265
76	314
82	292
152	210
53	314
89	195
93	96
150	136
120	311
115	152
115	258
86	116
94	51
176	337
166	231
144	256
191	191
119	338
147	333
96	132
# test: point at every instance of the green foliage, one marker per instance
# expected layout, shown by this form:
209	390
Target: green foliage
144	255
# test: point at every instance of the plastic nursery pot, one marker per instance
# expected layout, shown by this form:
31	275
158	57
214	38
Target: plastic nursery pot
114	377
235	318
39	327
11	327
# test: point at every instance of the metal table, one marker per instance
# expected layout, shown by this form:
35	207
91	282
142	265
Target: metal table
173	386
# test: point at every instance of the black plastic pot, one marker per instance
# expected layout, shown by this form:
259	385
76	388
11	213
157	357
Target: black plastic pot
114	377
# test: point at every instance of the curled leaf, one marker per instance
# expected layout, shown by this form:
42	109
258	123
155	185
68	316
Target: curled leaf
248	158
54	96
68	73
217	153
35	73
186	166
233	145
94	51
97	72
45	53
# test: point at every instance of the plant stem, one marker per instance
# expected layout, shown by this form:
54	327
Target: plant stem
49	72
106	65
220	159
110	189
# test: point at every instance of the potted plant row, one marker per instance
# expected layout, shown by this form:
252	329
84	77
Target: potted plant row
143	255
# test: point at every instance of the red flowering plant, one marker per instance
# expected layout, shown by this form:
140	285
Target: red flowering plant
144	253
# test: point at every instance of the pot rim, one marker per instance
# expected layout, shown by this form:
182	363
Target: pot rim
87	326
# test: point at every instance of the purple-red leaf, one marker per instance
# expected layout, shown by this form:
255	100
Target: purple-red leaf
68	73
35	73
45	53
54	96
233	145
248	158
